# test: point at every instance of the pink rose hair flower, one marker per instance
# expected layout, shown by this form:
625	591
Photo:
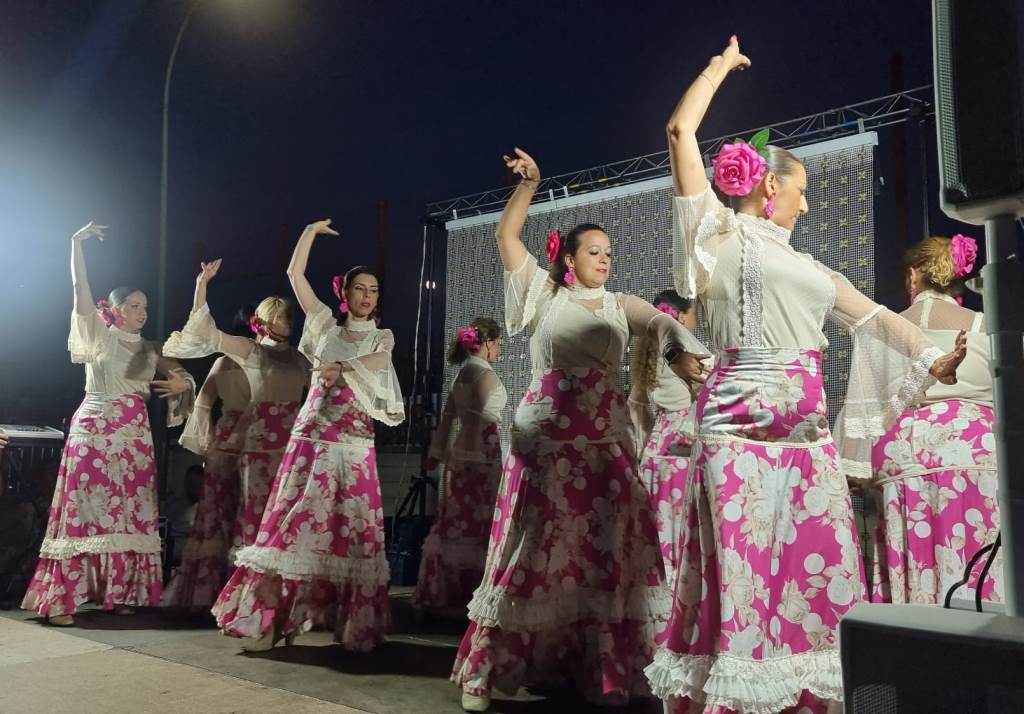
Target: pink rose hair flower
469	338
965	252
738	168
668	310
107	314
553	245
258	326
338	285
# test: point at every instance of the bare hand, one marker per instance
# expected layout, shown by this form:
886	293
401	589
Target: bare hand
944	368
322	227
690	368
174	384
329	374
731	58
87	231
523	165
208	270
431	463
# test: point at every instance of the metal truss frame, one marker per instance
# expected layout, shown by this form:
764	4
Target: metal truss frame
916	103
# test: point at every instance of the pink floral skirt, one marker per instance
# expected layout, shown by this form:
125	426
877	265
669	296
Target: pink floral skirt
573	580
318	559
102	541
770	560
204	562
454	551
936	486
267	427
664	471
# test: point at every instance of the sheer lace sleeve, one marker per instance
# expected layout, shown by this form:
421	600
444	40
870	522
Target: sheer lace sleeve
645	320
888	372
319	321
442	434
524	291
697	222
373	379
198	432
200	337
641	413
89	337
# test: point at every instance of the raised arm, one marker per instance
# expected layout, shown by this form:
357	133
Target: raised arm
304	292
687	165
84	303
231	345
510	245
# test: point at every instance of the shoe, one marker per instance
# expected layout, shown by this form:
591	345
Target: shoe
124	610
261	644
473	703
61	620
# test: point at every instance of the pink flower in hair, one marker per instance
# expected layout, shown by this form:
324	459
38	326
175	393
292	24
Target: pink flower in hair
554	243
258	326
965	252
338	285
668	310
738	168
469	338
107	314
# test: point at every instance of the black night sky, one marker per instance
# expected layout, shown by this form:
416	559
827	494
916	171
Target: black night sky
284	112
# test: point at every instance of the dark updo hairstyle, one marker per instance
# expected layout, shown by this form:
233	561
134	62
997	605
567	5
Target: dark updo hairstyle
569	244
485	327
781	162
674	299
349	277
119	294
240	322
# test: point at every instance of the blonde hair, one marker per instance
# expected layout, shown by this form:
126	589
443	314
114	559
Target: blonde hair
933	257
273	307
644	367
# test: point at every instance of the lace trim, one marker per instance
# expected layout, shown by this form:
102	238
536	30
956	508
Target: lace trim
65	548
581	293
857	469
353	325
295	566
764	228
493	607
528	309
752	287
711	225
386	408
763	686
190	343
863	427
180	406
916	383
123	336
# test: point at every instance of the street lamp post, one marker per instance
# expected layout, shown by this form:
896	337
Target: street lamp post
161	302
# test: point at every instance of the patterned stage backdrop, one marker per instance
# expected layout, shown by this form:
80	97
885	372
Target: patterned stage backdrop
838	231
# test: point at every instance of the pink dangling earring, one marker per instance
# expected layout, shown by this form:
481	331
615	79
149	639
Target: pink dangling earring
570	277
769	207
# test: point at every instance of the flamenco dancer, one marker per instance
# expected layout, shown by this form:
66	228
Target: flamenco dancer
935	469
276	375
769	559
661	407
318	559
102	543
205	565
456	547
573	579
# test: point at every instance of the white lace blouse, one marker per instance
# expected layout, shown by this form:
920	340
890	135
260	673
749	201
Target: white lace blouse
118	363
759	292
364	352
226	382
583	327
475	400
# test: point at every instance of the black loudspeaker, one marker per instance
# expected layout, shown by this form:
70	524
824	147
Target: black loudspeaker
918	659
979	112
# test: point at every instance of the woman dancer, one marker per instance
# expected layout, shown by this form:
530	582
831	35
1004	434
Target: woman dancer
205	566
319	558
102	542
573	580
276	374
935	469
456	547
660	404
769	558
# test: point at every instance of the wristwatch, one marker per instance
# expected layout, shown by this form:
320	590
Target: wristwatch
672	354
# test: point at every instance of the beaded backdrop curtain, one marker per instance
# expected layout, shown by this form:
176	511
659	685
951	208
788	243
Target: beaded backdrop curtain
838	231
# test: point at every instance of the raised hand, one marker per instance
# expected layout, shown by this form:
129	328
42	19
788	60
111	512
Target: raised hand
322	228
87	231
944	368
207	271
523	165
731	58
174	384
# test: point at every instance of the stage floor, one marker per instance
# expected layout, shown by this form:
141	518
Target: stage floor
156	662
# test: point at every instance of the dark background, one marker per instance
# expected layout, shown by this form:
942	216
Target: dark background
286	112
